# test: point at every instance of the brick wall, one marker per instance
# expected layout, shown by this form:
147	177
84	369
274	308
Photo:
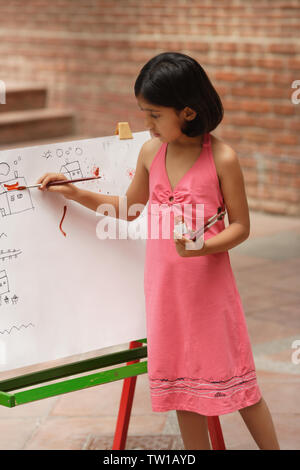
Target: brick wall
89	52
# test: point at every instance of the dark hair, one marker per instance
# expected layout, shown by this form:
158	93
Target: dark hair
176	80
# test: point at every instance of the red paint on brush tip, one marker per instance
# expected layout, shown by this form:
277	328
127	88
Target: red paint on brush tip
11	187
60	225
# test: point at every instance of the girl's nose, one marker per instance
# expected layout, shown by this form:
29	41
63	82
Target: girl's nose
148	123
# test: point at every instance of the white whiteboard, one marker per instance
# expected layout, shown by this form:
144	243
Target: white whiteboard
60	295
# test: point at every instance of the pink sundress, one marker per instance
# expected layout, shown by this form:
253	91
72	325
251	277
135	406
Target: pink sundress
199	352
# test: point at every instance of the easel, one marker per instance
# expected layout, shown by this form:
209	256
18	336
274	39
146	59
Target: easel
11	397
129	373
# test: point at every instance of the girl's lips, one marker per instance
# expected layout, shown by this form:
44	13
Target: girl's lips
154	134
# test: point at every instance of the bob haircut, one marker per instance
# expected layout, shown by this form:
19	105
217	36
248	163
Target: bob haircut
176	80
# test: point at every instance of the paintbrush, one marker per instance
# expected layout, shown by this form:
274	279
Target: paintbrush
58	182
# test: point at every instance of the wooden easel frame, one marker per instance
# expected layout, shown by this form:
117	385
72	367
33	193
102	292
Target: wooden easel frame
11	397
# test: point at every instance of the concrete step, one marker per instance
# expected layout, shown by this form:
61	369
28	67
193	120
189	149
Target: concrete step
24	97
22	126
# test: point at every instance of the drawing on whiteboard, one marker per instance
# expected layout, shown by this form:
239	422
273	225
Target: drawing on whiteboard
14	299
71	170
9	254
16	327
130	172
4	168
3	235
95	171
60	225
60	152
47	154
4	287
6	300
13	201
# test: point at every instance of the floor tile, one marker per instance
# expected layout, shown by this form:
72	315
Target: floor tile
73	433
40	408
15	432
279	246
151	442
283	314
262	330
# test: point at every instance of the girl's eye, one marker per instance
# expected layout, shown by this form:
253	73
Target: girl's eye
155	117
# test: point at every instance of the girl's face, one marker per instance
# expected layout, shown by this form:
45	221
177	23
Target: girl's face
164	122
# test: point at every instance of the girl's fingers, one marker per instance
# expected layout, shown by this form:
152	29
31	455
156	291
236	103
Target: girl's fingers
51	177
46	180
39	181
182	241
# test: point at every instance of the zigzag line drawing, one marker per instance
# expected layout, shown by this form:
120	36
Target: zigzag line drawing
17	328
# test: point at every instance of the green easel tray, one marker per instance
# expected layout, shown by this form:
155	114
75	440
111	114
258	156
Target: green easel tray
10	397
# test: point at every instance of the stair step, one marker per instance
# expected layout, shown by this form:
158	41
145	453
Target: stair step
23	97
21	126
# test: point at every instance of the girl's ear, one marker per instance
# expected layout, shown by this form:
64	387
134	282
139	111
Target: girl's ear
189	114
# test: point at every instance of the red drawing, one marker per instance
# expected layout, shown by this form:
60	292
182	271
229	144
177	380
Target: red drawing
60	225
130	172
11	187
96	171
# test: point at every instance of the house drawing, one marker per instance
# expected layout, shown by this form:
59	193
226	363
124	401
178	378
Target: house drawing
13	201
71	170
4	288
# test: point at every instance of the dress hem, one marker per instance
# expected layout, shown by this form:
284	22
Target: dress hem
236	407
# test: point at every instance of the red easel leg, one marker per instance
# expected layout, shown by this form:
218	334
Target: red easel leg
215	433
125	406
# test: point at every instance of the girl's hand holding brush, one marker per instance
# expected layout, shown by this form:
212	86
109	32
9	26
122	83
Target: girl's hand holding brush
69	191
59	183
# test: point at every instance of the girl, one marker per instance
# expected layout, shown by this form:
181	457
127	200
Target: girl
200	361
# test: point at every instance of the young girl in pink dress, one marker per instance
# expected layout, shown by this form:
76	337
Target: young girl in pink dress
200	361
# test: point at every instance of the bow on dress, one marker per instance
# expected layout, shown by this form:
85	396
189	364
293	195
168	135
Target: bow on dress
164	201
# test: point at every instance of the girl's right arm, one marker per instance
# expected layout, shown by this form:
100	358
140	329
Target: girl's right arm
137	193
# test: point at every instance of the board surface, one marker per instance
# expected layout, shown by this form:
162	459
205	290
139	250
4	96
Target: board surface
64	295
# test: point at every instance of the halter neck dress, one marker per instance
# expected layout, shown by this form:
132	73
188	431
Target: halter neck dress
199	352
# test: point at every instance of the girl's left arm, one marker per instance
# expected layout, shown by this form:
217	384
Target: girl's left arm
233	189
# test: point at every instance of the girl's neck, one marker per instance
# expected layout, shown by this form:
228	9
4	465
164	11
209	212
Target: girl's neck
184	142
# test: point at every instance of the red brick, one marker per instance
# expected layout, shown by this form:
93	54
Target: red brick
90	54
283	48
227	76
286	110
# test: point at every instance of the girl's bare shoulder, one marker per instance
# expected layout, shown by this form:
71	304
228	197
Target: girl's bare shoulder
221	152
151	148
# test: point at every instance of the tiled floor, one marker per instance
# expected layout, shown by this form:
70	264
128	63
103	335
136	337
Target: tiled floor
266	268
